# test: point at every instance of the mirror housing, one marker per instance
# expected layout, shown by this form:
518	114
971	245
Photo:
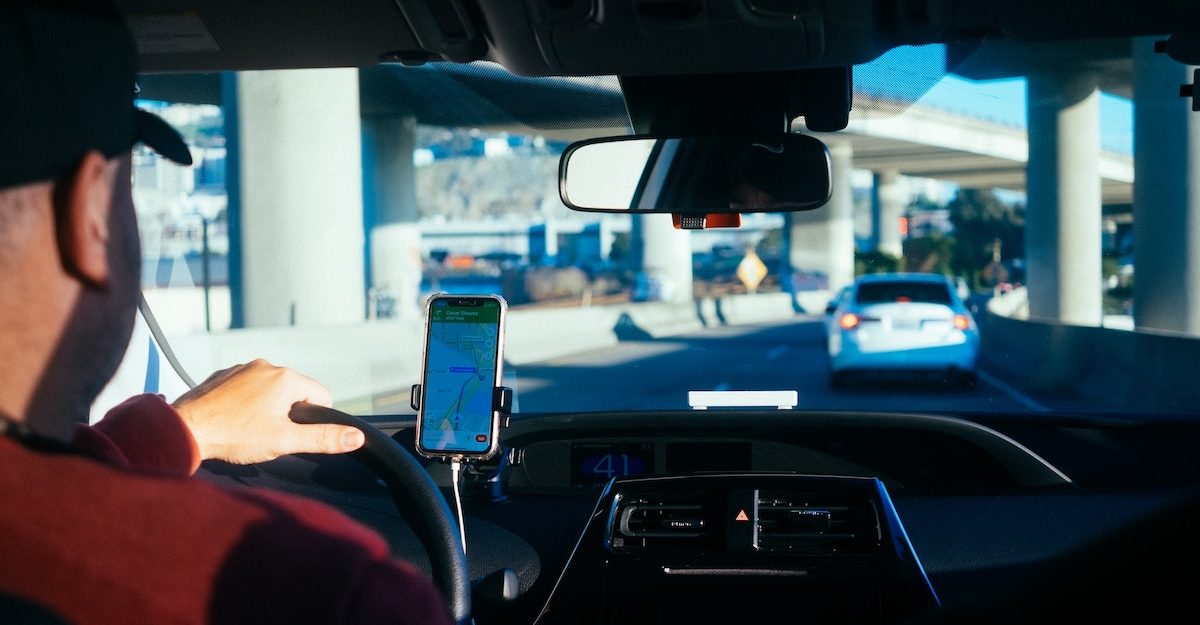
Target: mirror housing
696	175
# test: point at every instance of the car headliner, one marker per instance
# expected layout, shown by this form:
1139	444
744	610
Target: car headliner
637	37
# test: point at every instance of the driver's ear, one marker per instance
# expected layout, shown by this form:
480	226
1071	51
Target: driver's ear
82	206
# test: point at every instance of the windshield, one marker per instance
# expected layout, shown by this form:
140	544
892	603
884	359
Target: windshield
880	292
326	206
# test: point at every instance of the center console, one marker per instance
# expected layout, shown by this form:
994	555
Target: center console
741	546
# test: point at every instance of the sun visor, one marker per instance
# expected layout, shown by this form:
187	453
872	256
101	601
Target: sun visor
654	37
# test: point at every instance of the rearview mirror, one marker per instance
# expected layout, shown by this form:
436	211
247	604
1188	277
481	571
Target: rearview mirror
693	175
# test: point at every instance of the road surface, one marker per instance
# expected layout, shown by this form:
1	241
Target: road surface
657	374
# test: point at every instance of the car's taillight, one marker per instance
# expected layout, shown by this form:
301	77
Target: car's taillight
848	321
961	322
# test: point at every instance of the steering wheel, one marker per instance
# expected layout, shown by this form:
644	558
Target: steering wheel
418	500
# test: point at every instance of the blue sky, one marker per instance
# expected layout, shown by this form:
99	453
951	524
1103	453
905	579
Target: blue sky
912	73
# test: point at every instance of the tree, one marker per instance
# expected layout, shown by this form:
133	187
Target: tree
980	219
876	262
931	254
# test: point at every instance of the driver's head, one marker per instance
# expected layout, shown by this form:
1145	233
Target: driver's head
69	254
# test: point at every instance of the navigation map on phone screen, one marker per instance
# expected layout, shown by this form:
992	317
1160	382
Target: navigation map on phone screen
460	375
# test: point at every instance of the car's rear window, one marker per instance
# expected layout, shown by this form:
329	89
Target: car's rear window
880	292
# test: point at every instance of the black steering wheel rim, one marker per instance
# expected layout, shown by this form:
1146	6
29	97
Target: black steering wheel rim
418	500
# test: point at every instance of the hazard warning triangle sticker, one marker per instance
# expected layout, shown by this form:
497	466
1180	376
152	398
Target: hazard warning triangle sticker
741	516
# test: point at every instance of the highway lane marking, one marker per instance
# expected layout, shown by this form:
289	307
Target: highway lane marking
1011	391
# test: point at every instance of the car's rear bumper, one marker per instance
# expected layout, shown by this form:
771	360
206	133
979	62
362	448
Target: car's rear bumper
850	355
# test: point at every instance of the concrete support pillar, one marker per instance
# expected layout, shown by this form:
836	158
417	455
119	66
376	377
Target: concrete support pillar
665	256
1166	195
887	207
1062	227
543	242
390	206
823	239
299	196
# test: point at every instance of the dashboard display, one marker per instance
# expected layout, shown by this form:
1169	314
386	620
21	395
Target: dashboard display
594	464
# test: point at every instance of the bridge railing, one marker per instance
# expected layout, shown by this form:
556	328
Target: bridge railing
1128	371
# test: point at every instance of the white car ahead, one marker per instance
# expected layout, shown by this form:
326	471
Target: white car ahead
910	323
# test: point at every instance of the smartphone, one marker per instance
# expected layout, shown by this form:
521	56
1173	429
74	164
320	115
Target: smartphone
463	362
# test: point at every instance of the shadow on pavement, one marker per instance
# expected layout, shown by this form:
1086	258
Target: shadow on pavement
628	330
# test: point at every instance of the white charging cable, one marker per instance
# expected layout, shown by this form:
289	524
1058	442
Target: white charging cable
455	475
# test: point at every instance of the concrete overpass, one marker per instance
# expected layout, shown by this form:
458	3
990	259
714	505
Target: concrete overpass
973	153
351	130
1064	81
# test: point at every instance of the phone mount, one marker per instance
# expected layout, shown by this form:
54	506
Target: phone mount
502	399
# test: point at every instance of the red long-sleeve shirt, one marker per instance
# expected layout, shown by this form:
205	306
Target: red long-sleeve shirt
121	533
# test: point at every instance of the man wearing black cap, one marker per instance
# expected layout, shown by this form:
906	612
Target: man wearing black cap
104	524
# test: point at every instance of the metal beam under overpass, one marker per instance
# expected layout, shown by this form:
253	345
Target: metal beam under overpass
480	95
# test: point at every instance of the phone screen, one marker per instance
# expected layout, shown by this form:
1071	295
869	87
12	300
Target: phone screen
462	351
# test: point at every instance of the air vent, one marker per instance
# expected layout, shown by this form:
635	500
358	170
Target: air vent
816	524
666	524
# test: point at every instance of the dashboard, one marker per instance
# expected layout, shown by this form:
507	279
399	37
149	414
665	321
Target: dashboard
567	503
741	546
562	466
561	453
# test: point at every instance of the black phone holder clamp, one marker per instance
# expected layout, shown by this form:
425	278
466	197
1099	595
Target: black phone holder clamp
502	400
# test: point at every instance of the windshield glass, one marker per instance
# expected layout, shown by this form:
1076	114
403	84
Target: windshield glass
878	292
326	206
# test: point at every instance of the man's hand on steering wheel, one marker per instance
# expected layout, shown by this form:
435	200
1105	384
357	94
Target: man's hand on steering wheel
240	415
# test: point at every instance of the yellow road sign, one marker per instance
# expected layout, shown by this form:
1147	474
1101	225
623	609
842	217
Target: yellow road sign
751	271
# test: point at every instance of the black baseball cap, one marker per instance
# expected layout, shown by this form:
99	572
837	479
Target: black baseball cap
68	71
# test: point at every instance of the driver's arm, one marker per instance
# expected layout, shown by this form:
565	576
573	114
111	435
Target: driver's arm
292	558
238	415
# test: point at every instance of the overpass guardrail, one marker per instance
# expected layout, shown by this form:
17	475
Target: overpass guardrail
1132	370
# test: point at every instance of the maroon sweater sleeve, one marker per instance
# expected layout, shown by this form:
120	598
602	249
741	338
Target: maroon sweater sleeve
386	589
144	433
300	562
349	576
